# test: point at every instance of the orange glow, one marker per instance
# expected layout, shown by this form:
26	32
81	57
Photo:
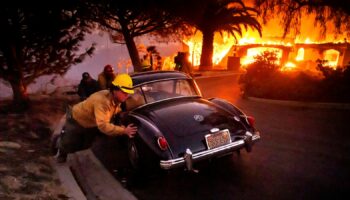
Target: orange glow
253	52
308	41
168	63
300	54
293	52
288	66
244	41
222	45
332	56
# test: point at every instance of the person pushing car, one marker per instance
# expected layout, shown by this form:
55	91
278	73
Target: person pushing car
94	114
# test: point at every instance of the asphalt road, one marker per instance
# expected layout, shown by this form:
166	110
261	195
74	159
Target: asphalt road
303	154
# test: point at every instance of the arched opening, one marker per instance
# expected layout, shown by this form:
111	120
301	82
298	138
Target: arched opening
332	56
252	52
300	54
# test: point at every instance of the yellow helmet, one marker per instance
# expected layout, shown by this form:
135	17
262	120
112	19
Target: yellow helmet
124	82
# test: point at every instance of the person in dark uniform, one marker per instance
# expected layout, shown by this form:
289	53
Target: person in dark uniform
87	86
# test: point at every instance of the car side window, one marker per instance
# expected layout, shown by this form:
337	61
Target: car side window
161	90
135	100
183	88
148	90
157	91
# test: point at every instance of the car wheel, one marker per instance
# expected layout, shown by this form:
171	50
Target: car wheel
133	154
137	175
141	158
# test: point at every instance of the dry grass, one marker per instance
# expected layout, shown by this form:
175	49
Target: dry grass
25	169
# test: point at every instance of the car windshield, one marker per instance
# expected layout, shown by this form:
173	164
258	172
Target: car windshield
160	90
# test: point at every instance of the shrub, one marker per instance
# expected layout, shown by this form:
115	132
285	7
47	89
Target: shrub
264	79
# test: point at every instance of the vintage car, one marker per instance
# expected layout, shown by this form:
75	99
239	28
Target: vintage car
177	127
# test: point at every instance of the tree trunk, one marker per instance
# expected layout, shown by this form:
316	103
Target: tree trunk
130	44
20	95
15	78
207	50
133	53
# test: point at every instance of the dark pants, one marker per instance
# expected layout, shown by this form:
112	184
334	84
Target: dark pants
75	137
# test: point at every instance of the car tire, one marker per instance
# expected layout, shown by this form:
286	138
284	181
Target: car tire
133	154
141	158
138	174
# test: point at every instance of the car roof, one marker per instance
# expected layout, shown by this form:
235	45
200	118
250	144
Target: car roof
139	78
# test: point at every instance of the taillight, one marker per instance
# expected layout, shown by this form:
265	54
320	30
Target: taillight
162	143
251	121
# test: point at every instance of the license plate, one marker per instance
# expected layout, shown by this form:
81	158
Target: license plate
218	139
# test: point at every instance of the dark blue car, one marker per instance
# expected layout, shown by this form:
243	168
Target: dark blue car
178	127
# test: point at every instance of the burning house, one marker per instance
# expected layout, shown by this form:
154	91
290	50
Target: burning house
298	52
292	55
228	55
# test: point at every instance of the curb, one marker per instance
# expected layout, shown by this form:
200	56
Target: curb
68	182
340	106
84	177
95	180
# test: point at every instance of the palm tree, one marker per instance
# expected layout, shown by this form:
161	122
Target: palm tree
223	16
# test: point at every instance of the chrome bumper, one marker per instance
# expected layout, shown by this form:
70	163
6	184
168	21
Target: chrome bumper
189	158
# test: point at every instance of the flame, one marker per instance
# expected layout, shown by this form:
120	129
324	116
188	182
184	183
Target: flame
308	41
271	36
247	40
300	54
168	63
222	45
288	66
253	52
332	56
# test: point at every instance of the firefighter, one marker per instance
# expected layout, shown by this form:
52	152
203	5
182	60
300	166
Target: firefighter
106	77
87	86
146	63
93	115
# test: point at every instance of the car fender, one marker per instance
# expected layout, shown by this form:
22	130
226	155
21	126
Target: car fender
224	104
148	134
229	107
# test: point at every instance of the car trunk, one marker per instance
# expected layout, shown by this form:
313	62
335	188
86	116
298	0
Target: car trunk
184	123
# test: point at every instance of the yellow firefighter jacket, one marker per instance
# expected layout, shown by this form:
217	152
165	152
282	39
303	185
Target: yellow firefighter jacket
97	111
